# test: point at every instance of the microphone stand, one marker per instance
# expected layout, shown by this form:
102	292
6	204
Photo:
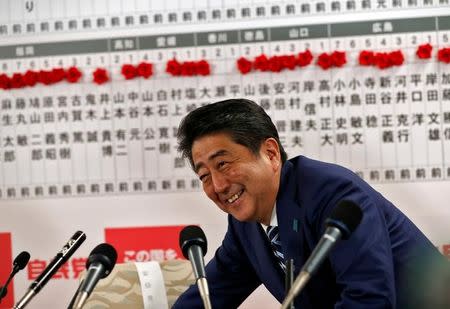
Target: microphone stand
204	292
302	279
289	279
72	301
3	290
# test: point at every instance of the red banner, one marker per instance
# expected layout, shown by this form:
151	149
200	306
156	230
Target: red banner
5	269
141	244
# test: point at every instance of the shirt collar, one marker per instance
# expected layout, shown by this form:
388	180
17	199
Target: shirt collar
273	218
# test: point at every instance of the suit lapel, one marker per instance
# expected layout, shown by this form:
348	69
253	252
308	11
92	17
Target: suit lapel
290	215
272	277
291	218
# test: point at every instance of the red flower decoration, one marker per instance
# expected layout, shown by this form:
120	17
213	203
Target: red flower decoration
58	75
382	60
188	68
261	63
324	61
145	69
304	58
288	62
244	65
444	55
128	71
424	51
396	58
5	82
45	77
203	68
338	58
17	81
366	58
100	76
30	78
73	75
173	67
275	64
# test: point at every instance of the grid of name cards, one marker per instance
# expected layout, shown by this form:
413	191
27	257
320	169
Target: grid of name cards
120	137
19	17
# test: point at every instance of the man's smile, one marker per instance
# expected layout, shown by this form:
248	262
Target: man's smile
234	197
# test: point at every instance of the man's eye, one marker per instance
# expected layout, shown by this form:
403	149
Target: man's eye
221	164
203	177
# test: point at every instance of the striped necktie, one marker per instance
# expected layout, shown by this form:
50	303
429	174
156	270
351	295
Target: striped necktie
275	242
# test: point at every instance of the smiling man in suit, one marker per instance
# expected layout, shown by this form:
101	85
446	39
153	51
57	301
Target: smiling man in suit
277	209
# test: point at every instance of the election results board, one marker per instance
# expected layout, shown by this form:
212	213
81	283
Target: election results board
94	137
92	93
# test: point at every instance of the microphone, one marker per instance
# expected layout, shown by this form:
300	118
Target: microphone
194	246
99	265
61	257
19	263
343	220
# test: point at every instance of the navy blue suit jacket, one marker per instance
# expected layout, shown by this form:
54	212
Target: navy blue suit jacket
372	269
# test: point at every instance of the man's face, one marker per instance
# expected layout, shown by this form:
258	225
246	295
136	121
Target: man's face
241	183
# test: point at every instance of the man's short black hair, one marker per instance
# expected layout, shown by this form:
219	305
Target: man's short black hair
245	121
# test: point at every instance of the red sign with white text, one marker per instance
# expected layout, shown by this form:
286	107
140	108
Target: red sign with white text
5	269
69	270
141	244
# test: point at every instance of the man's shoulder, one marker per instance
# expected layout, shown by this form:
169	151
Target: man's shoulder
317	184
314	169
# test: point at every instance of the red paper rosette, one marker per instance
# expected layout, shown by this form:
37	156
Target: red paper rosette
382	60
128	71
444	55
324	61
275	64
188	68
338	58
424	51
366	58
244	65
261	63
304	58
100	76
396	58
203	68
17	81
145	69
58	75
173	67
289	62
30	78
45	77
5	82
73	75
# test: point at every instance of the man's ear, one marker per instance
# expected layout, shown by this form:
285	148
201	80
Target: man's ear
271	150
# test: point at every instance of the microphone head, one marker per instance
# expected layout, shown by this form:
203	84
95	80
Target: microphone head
104	254
192	235
21	260
72	245
346	217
